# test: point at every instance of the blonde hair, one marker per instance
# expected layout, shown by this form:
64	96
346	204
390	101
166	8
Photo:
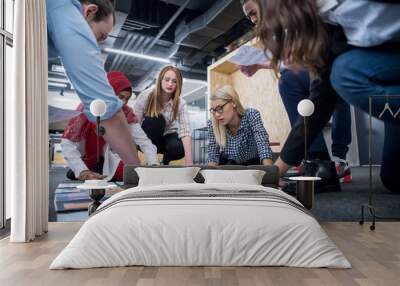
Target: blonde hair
156	103
226	93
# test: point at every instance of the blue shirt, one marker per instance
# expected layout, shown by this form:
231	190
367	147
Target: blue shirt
251	140
365	23
71	38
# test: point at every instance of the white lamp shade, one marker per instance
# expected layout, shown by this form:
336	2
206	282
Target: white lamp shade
305	107
98	107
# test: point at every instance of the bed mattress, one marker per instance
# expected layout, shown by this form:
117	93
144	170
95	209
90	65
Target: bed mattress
201	225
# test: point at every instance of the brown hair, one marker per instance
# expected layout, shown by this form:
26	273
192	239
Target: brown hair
105	8
156	104
293	31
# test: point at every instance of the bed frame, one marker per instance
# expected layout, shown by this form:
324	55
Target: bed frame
270	179
131	179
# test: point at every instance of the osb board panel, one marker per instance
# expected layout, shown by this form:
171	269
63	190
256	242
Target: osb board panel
217	80
260	92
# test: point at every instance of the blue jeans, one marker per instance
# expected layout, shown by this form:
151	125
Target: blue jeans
355	76
294	86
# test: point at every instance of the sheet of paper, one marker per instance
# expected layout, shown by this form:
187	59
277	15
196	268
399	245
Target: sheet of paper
68	185
248	55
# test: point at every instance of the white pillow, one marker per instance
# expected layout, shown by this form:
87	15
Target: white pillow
166	176
248	177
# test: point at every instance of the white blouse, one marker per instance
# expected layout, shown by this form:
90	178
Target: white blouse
180	125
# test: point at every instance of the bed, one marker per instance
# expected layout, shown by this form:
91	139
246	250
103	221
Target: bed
201	224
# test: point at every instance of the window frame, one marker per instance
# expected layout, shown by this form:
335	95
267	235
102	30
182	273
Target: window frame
6	39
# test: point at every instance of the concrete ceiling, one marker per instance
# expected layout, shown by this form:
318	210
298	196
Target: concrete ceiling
191	36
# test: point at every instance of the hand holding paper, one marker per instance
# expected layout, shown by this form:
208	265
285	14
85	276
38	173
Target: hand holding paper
248	55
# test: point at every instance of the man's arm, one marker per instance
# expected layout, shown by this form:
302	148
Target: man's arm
80	54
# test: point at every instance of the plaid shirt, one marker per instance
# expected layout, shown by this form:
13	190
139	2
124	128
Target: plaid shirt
181	125
251	140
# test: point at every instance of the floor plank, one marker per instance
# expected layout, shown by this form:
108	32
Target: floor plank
375	257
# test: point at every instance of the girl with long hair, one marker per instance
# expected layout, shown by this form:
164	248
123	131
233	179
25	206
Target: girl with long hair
351	48
236	134
164	117
294	86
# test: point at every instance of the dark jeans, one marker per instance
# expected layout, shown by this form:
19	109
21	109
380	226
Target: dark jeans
226	161
355	75
170	145
362	72
294	86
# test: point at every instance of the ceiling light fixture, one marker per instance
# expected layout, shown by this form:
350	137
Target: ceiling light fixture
56	84
57	68
137	55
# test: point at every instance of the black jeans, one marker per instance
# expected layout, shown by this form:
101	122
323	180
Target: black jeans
226	161
295	86
170	145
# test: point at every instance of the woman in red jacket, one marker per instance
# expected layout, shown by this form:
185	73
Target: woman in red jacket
79	143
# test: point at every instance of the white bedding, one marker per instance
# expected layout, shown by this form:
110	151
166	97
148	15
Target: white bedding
186	230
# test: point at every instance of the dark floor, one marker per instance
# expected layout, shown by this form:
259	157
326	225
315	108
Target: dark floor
346	205
340	206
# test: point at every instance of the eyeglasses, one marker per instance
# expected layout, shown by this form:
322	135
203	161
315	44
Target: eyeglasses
218	109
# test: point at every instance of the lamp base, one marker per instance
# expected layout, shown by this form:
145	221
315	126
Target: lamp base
305	193
305	190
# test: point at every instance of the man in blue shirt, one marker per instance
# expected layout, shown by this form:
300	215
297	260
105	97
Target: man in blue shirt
74	28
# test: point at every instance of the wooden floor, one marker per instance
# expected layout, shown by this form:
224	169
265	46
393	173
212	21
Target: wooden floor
375	256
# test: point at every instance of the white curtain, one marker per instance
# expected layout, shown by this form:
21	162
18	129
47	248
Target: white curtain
27	124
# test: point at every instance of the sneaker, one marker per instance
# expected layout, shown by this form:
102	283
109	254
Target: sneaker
317	168
343	171
326	171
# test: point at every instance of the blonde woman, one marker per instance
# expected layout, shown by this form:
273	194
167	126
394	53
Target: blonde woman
161	112
236	135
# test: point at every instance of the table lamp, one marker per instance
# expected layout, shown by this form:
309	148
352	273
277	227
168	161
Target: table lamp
97	188
306	109
305	185
98	108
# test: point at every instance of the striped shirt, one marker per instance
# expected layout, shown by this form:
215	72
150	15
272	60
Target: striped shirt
251	140
180	125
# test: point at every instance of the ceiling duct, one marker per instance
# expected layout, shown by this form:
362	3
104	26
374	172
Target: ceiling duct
149	13
122	5
221	17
